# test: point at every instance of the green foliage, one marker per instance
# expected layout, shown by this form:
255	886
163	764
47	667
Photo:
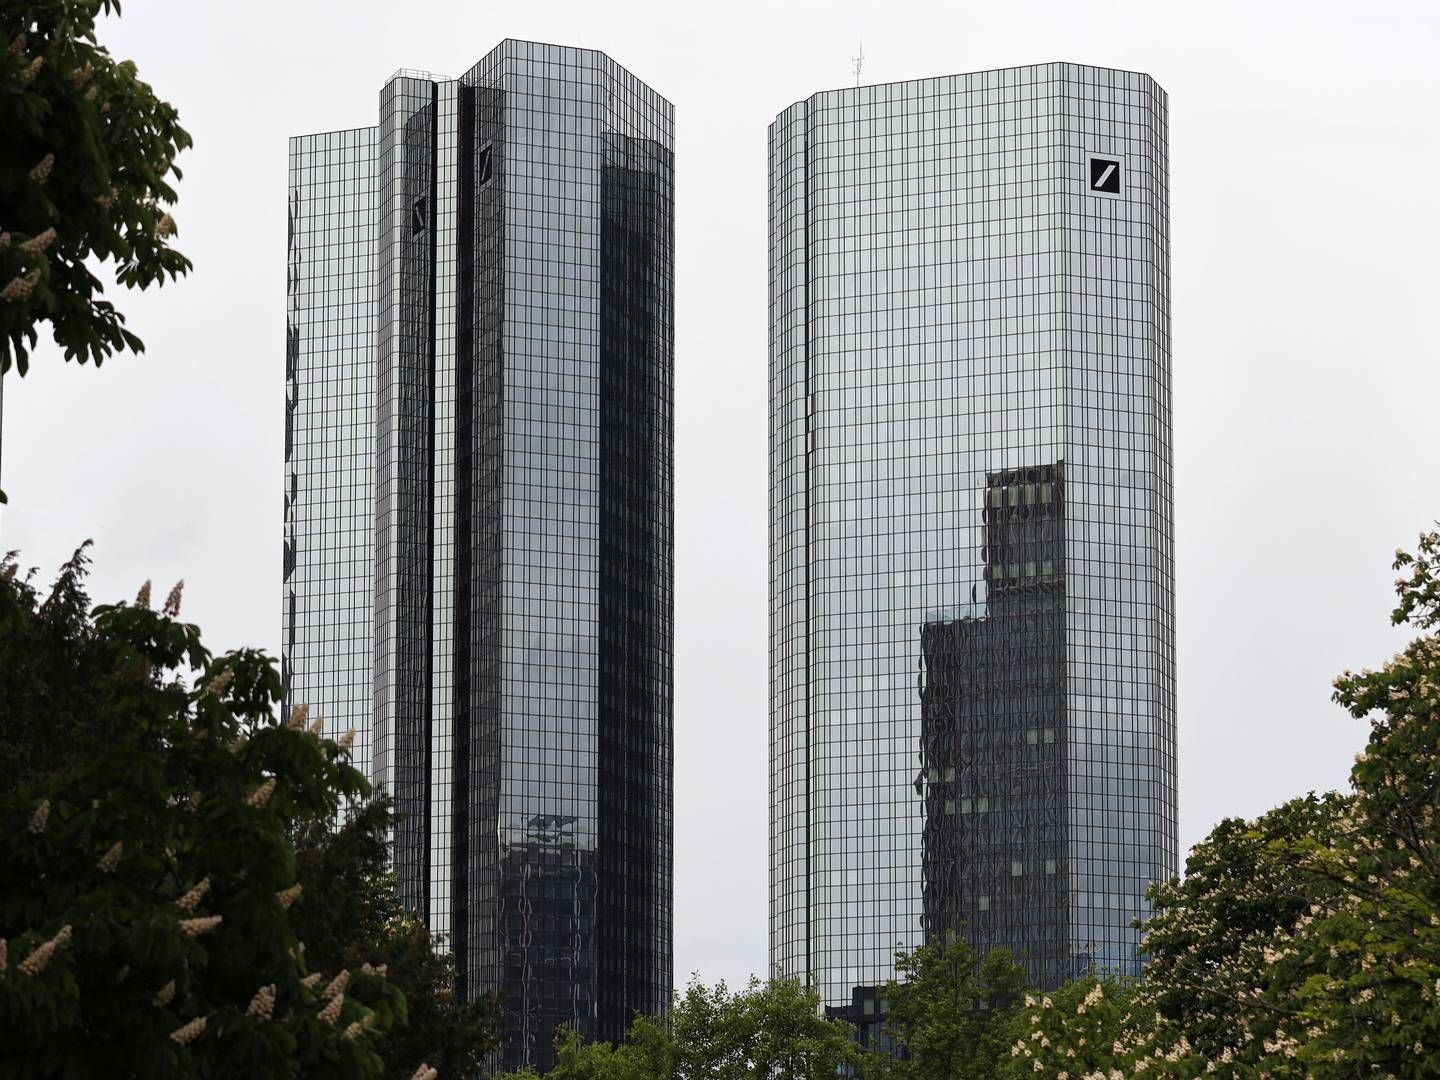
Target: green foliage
768	1031
144	901
1074	1031
86	152
772	1029
1305	943
60	681
950	1010
350	914
1370	1003
1219	971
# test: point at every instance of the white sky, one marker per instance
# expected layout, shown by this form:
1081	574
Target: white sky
1304	162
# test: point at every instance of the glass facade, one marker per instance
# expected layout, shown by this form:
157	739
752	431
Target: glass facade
972	587
518	686
329	552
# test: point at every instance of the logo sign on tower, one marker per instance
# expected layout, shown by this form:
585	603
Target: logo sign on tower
1105	175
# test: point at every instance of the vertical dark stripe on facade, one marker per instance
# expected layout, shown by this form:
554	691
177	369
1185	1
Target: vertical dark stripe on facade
479	430
464	497
414	422
635	571
426	720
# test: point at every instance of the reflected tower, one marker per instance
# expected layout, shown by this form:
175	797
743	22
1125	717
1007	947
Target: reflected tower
478	513
972	697
994	841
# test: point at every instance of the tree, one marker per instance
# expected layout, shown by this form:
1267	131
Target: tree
144	903
950	1010
1081	1029
86	152
350	913
1305	943
768	1031
1370	1004
59	678
1220	969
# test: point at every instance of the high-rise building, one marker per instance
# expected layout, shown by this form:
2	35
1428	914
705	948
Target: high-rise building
479	513
972	594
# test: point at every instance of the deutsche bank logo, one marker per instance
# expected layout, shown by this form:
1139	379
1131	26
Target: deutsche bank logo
482	166
1105	175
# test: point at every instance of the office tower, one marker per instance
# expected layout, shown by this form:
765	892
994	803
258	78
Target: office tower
972	591
478	513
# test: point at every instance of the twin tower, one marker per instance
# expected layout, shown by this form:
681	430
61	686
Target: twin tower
972	598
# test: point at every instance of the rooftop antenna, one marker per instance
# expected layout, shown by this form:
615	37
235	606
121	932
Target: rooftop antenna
859	63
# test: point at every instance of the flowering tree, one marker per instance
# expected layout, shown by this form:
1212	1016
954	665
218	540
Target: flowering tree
1305	943
145	922
1223	962
86	153
350	913
1371	1002
1084	1029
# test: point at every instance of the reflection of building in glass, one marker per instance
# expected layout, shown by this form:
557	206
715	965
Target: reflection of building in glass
992	740
478	546
960	301
868	1013
546	927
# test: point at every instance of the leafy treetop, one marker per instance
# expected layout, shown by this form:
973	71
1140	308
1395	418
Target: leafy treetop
86	155
145	922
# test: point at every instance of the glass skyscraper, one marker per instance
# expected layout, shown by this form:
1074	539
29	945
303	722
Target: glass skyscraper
479	513
972	703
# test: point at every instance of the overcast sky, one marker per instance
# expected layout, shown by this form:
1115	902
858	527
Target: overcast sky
1304	169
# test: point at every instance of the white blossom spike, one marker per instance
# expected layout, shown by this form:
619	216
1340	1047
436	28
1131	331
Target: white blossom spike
4	953
330	1013
221	683
312	980
197	926
21	287
261	795
142	598
27	76
111	859
41	817
164	995
172	602
36	961
289	896
38	243
263	1003
192	898
425	1072
347	740
184	1036
337	984
297	717
318	726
